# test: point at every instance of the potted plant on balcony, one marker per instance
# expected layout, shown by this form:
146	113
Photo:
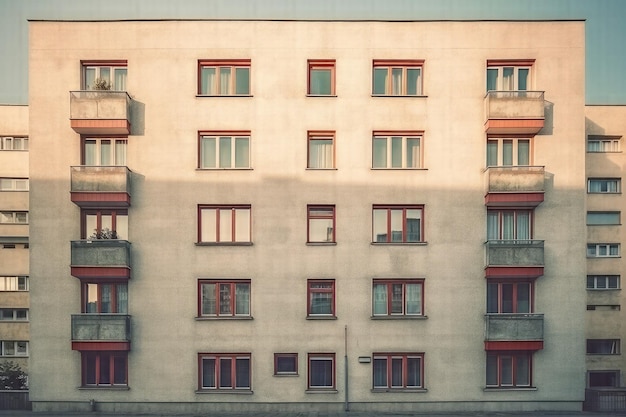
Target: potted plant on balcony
105	233
101	84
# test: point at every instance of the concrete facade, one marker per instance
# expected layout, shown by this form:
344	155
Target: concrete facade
168	114
14	294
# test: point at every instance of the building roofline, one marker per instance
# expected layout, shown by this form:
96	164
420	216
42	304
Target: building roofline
305	20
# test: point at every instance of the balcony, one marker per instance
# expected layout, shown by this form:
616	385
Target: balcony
519	186
100	332
100	112
100	186
514	258
514	112
101	258
513	331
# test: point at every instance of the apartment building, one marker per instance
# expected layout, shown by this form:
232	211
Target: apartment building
14	277
299	215
604	170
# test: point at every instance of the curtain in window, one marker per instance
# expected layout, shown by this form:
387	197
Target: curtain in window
226	380
209	302
413	377
413	298
120	79
242	80
105	152
508	79
321	373
412	81
492	79
120	152
242	299
508	226
208	81
208	373
320	153
396	81
379	153
396	152
242	152
523	225
90	152
225	80
380	372
242	373
90	78
105	299
492	153
122	298
493	226
380	299
225	299
208	151
507	152
396	372
225	152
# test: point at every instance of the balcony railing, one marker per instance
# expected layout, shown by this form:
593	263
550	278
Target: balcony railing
100	328
100	112
513	327
514	252
100	186
515	186
514	111
101	258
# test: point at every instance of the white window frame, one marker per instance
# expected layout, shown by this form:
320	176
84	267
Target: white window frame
500	77
217	89
604	185
15	314
217	137
594	250
98	148
13	217
18	352
321	357
111	67
14	283
14	184
604	218
604	144
8	143
603	282
515	143
391	138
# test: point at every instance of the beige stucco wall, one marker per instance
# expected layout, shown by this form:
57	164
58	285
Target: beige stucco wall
162	76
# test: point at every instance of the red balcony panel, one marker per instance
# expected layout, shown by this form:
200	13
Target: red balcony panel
100	199
101	346
514	345
101	126
107	272
514	199
513	271
514	126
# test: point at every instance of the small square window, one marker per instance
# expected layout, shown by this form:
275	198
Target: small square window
321	298
285	364
321	150
601	218
321	223
321	77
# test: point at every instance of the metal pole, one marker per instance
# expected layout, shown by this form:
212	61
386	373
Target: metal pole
345	348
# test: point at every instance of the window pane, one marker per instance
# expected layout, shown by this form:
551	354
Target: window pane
105	152
105	298
380	80
225	152
226	373
380	299
225	80
413	377
242	152
507	153
508	82
242	299
396	225
321	373
242	79
90	77
396	81
492	298
225	299
208	81
208	218
379	153
120	79
396	152
492	153
506	370
396	299
91	298
320	230
380	372
105	74
507	298
90	156
321	303
208	373
412	81
120	152
413	299
320	82
412	153
286	364
242	369
380	225
119	370
105	369
413	225
492	79
89	373
492	369
226	225
522	371
208	299
523	298
207	152
242	225
320	153
396	372
522	79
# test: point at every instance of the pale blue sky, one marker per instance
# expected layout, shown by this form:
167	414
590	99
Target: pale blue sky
605	26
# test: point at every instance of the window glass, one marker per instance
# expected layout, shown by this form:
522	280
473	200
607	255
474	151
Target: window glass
380	80
320	81
242	78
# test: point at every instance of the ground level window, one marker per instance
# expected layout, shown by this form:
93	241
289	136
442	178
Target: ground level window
104	369
285	364
509	369
398	370
222	371
321	371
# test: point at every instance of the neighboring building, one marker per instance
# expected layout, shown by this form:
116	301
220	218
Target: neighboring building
605	168
312	215
14	276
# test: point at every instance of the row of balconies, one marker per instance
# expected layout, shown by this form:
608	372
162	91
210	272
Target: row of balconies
108	112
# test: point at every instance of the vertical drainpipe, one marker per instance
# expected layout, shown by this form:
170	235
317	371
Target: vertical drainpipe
345	348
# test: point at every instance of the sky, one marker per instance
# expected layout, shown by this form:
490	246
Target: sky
605	29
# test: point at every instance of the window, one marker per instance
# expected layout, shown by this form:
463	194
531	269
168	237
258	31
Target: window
105	224
14	217
508	75
321	224
397	224
224	150
13	283
603	379
398	370
603	282
285	364
509	297
508	152
604	185
321	77
321	150
104	298
104	369
599	218
603	307
104	151
321	371
398	297
603	143
603	347
602	250
224	77
13	184
321	296
14	314
224	224
397	77
509	369
397	150
224	298
13	143
100	75
224	371
13	348
509	224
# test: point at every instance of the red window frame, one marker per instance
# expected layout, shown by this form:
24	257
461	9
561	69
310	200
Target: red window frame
403	209
389	283
217	371
232	285
114	295
321	357
311	215
404	64
389	358
85	234
313	135
515	299
329	64
218	208
500	212
405	135
225	63
217	134
285	356
513	357
95	364
329	288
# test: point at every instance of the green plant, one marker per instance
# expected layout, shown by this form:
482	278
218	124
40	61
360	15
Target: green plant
101	84
12	377
105	233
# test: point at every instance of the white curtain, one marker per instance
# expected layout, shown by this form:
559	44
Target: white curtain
321	153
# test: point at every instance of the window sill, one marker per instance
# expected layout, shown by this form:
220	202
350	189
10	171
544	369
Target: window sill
399	317
322	95
321	169
321	391
504	389
321	243
223	243
108	388
398	96
399	390
225	169
399	169
285	375
201	318
598	289
321	317
225	391
223	95
399	243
